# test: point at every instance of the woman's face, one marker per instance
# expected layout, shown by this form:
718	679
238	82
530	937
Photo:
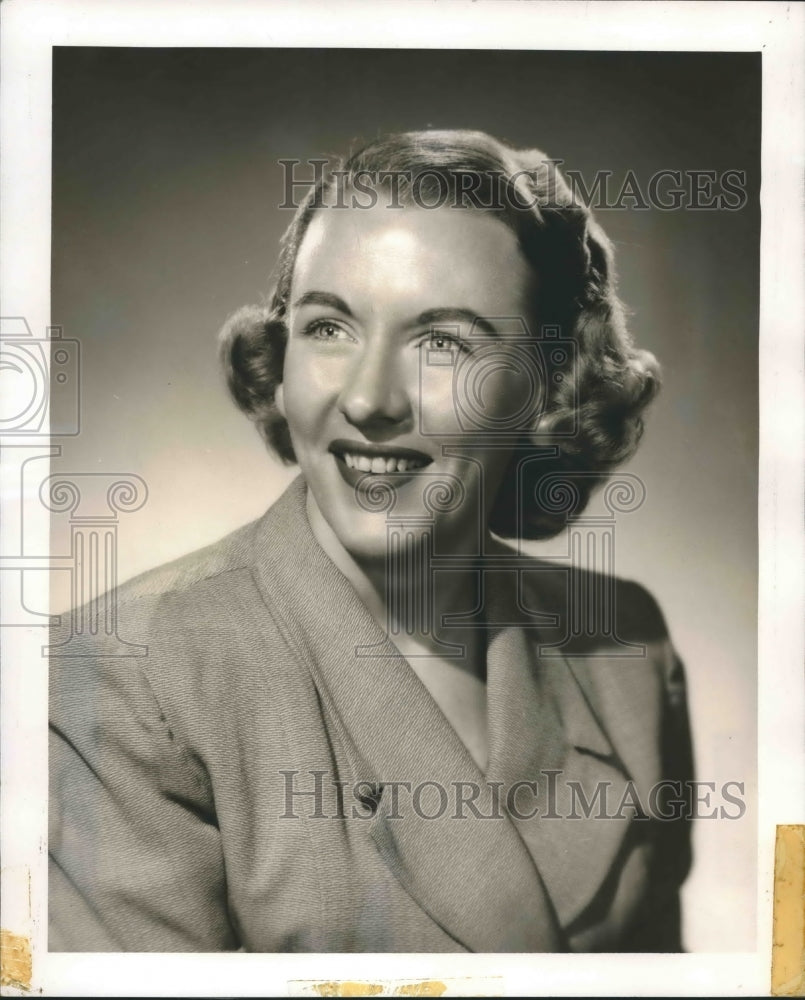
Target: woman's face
405	363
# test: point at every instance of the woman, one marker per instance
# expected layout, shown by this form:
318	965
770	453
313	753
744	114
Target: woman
364	723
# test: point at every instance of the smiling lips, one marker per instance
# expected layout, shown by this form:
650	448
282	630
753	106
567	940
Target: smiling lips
378	459
378	464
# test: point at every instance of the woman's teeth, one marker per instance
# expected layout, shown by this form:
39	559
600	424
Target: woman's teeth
378	465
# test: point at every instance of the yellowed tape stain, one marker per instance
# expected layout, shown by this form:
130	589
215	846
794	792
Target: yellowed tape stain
788	943
347	989
427	988
15	960
473	986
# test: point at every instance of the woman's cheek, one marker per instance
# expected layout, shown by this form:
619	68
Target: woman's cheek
312	381
437	403
476	395
502	400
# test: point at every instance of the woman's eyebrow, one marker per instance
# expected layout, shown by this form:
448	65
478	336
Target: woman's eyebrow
430	317
453	314
326	299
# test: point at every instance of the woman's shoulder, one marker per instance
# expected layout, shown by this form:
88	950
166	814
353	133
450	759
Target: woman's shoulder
610	629
196	578
238	550
136	598
157	642
230	553
586	602
165	604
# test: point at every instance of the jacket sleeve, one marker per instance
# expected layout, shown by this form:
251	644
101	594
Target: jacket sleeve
659	928
135	851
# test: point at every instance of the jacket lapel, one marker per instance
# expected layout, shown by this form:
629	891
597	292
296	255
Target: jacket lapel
580	830
475	878
632	723
543	729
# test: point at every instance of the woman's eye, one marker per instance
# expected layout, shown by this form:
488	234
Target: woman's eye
327	330
445	342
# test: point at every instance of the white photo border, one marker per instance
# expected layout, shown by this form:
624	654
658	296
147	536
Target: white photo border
30	29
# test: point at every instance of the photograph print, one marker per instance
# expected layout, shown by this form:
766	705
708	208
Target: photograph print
408	533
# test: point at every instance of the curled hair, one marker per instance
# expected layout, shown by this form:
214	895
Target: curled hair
595	398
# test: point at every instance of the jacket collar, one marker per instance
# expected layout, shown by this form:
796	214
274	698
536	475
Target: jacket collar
484	882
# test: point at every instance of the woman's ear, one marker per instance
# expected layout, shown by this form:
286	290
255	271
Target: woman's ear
279	399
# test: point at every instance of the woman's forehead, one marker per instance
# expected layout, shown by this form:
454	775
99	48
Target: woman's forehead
419	253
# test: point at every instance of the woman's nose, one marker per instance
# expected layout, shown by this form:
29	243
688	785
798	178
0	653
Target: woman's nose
375	391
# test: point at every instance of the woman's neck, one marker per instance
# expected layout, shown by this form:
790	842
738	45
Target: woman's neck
405	602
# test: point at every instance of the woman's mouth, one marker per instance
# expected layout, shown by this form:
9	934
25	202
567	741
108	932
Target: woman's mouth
380	464
356	460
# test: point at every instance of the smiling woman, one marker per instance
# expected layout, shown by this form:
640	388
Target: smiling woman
370	294
365	723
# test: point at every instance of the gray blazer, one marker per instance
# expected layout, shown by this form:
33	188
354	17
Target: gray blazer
182	817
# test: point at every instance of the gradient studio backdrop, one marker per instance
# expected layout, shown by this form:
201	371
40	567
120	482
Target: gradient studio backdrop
165	219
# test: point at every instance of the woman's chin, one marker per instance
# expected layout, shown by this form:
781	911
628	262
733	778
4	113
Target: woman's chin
376	526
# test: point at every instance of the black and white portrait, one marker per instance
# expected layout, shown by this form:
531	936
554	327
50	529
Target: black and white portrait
402	489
